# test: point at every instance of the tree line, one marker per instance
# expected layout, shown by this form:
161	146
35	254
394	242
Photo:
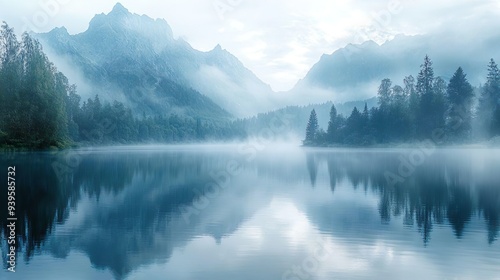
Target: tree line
427	107
40	109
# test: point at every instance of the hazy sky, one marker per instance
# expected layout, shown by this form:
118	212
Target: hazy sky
279	40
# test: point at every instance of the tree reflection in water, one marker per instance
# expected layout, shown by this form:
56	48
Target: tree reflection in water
149	189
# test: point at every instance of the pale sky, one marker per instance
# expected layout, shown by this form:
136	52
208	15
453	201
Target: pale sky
279	40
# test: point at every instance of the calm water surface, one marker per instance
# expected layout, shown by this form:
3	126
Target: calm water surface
252	212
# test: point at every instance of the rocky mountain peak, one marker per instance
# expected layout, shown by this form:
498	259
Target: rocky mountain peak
119	9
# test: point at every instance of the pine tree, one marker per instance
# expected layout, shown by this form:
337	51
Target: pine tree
425	92
489	101
73	113
354	128
413	105
333	126
495	124
312	128
199	129
365	126
460	94
439	103
385	99
399	114
425	77
365	116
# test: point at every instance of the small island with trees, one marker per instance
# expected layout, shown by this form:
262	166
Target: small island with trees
416	111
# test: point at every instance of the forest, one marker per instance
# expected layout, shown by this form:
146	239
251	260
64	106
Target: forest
451	112
40	109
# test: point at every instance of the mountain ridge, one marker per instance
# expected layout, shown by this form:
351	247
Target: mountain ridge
144	52
362	66
125	56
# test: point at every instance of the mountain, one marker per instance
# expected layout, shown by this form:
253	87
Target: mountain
355	71
136	60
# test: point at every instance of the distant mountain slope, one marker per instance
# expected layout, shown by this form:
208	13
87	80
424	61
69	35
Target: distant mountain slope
355	71
296	117
136	60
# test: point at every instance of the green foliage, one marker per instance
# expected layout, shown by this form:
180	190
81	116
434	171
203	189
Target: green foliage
114	123
334	125
489	102
32	95
312	128
385	94
460	97
432	107
417	112
413	105
39	109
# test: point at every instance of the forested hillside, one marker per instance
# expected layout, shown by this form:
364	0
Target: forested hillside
137	60
32	95
39	108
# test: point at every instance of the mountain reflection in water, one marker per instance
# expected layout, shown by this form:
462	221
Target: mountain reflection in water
129	209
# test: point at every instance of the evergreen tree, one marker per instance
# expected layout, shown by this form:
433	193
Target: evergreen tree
365	126
365	116
384	100
377	125
495	124
312	128
413	105
425	78
425	118
59	113
460	94
439	103
417	110
199	129
399	115
73	113
489	101
334	126
354	128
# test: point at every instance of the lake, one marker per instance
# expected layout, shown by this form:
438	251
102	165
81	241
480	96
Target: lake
255	211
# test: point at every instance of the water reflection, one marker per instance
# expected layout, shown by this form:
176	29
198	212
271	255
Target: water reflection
128	209
449	185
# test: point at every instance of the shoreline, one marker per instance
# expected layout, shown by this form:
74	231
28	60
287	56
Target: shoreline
135	146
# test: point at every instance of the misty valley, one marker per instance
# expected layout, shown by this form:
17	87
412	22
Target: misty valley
149	93
129	154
